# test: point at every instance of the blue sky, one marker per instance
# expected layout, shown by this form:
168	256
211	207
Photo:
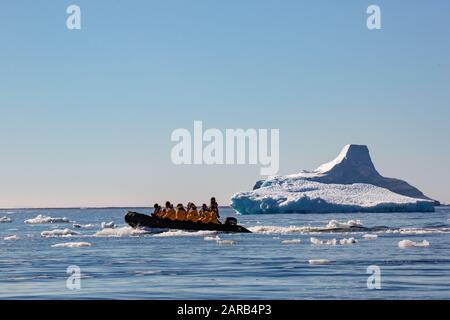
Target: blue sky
86	116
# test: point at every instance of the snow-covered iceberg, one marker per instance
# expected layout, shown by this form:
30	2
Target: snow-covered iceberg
349	183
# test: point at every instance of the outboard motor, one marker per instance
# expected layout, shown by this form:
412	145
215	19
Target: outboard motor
232	221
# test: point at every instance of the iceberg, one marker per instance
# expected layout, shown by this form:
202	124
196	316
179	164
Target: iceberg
349	183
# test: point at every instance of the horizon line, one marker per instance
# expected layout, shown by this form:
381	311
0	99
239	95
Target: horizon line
83	208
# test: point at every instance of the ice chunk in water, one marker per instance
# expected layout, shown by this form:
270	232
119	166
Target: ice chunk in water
71	245
59	233
41	219
411	244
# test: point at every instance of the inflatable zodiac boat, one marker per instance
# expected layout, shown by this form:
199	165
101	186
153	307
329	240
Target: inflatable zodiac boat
135	220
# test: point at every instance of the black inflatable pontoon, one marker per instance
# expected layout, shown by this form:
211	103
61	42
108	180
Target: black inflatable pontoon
136	219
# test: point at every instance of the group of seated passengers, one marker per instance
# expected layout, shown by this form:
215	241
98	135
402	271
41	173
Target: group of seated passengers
205	214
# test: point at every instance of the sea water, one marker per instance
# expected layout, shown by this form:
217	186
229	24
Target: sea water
284	258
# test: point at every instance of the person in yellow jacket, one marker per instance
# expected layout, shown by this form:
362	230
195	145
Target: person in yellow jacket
205	215
214	206
192	214
181	214
170	212
158	211
213	217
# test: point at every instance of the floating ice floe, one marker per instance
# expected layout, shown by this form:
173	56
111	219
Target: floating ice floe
84	226
423	231
59	233
333	242
209	238
411	244
42	219
219	241
121	232
108	225
280	230
349	183
319	261
316	241
334	224
71	245
415	231
370	236
348	241
11	238
331	225
5	219
226	242
292	241
182	233
351	226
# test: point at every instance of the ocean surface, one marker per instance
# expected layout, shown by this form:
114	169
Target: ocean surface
271	263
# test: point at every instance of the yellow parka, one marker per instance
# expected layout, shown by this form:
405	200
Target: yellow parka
192	215
170	214
213	217
206	216
181	215
160	213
